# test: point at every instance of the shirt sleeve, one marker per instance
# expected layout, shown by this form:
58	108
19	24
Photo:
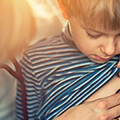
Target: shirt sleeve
32	90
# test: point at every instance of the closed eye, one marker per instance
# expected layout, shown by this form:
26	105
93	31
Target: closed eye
93	36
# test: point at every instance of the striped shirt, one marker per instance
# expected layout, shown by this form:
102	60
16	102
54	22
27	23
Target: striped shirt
58	76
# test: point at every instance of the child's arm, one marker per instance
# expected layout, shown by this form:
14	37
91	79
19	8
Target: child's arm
101	109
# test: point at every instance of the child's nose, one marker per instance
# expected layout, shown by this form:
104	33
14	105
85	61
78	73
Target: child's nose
109	48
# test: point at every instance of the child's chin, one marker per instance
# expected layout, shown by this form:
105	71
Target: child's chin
97	61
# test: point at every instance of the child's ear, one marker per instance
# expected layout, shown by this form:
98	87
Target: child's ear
63	9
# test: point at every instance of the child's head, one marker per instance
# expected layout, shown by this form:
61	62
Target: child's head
17	27
94	13
95	26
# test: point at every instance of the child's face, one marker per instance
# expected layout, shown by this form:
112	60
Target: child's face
98	45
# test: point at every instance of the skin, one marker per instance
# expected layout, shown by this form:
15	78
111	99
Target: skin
103	105
101	109
98	45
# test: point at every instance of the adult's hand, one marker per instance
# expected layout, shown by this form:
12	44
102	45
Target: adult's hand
102	109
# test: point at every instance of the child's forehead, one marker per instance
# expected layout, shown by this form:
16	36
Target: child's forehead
100	24
99	29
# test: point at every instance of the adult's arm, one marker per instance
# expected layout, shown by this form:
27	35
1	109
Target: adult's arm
102	109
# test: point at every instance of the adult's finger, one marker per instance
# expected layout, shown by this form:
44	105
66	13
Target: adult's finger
114	112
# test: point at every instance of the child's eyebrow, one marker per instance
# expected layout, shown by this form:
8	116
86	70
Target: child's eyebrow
91	30
95	31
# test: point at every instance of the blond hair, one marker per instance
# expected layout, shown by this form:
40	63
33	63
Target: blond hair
94	13
17	26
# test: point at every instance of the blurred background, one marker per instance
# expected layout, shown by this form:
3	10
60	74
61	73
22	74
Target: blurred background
50	22
49	17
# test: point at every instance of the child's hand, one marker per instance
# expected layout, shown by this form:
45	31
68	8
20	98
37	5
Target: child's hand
118	65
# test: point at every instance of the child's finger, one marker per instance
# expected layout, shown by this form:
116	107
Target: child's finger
118	65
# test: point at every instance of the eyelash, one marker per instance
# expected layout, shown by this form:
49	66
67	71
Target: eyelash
93	37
